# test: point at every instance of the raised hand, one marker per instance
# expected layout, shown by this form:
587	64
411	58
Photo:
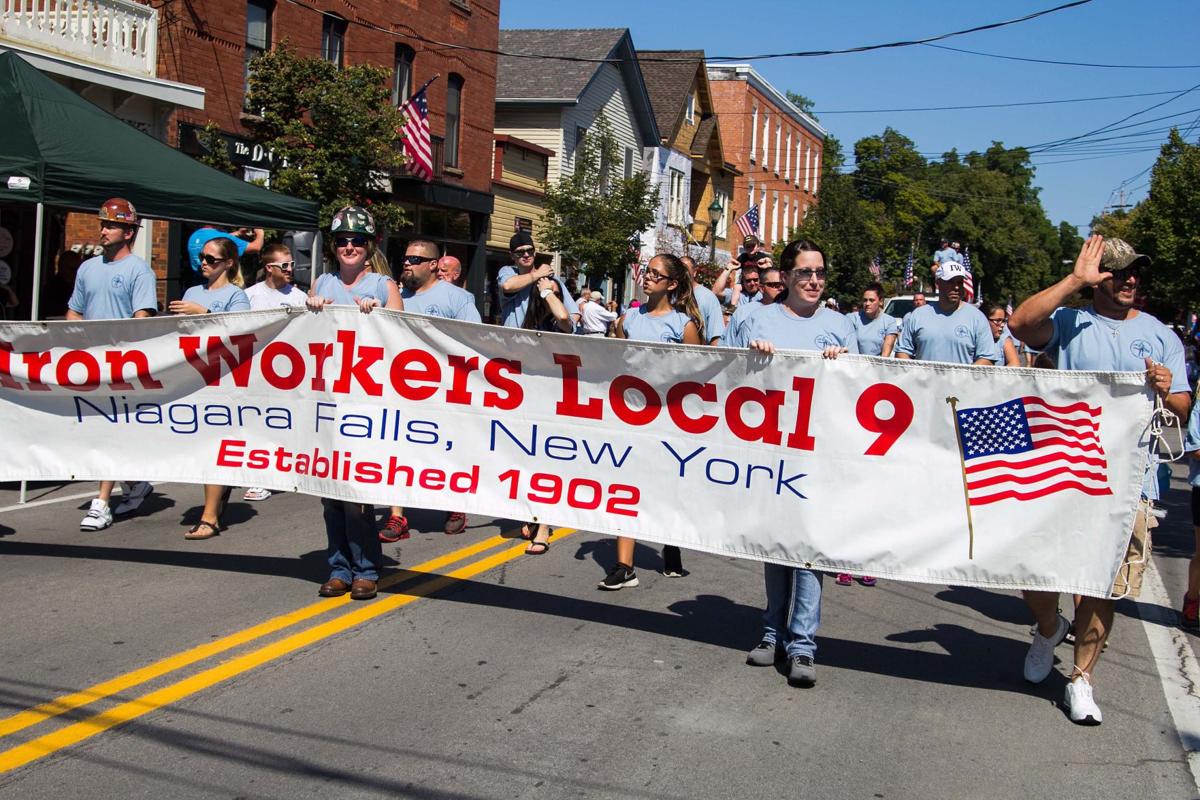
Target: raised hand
1087	266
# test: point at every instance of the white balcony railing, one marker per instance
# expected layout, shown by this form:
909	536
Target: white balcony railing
119	34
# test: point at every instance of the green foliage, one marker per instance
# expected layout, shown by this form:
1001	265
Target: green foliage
1069	245
216	154
592	214
335	133
1166	225
801	102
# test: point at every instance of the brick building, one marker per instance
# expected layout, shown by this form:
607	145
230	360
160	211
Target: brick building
209	43
774	145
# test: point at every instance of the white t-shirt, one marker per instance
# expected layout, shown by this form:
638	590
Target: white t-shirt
263	296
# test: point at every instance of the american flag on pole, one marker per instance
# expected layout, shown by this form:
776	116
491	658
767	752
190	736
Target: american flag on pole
875	268
908	268
748	223
969	281
1028	448
418	145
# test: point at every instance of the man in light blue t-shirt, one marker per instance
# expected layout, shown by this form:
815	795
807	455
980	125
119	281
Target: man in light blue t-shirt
114	285
952	330
424	293
516	282
1109	335
876	331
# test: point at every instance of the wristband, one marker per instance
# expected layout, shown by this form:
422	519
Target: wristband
546	293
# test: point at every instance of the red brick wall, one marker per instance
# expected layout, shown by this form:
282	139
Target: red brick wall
202	43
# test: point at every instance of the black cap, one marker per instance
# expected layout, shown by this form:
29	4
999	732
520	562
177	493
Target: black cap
520	239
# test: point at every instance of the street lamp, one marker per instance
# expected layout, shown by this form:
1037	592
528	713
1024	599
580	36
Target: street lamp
714	214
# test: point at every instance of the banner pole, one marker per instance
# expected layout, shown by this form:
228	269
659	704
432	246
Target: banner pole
35	304
962	463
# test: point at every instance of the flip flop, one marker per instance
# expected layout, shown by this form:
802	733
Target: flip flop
202	530
529	551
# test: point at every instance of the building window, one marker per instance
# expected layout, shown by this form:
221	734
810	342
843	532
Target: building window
454	87
629	156
799	146
333	39
691	108
258	33
675	198
403	75
753	133
778	141
775	216
766	136
787	219
816	169
750	202
522	224
787	151
723	223
807	168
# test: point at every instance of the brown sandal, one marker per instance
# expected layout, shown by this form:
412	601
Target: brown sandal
202	530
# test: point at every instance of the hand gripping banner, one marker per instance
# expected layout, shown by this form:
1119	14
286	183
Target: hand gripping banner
937	473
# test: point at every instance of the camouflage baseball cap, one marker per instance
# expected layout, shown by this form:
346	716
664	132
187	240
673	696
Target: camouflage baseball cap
1119	254
353	219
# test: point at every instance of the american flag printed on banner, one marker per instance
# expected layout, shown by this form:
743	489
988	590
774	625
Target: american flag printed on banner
969	281
875	268
748	223
1028	448
418	145
908	269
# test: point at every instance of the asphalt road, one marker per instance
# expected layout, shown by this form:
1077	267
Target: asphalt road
137	664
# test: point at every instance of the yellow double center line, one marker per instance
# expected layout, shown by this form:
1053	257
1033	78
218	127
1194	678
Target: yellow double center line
98	723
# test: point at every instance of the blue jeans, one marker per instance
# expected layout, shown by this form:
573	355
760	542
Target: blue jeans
793	608
354	548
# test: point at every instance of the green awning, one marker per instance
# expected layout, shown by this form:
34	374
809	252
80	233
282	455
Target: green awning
60	149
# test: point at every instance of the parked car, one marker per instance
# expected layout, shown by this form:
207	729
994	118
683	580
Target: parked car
900	305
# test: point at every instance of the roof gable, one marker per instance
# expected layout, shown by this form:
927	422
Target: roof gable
534	79
669	82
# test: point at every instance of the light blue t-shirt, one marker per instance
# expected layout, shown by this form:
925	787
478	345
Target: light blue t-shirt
743	298
513	306
872	332
114	289
959	337
710	312
227	298
442	299
782	327
371	284
738	319
642	326
1192	444
1084	340
949	254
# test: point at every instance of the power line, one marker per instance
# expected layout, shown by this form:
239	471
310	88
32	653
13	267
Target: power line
1111	126
986	105
1065	63
711	59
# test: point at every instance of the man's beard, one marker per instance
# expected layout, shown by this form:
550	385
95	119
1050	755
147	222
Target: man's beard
410	281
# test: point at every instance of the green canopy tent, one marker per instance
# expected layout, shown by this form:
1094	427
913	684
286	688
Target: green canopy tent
58	149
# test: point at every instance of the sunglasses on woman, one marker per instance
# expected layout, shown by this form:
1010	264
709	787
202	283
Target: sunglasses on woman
211	260
345	241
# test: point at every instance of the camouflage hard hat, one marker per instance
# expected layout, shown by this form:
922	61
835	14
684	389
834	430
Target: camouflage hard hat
1119	254
353	219
118	209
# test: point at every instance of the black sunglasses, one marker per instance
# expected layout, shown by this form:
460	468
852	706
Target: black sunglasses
357	241
522	252
205	258
413	260
773	284
1122	275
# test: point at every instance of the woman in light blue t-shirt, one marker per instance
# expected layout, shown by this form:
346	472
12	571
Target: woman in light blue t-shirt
222	291
670	314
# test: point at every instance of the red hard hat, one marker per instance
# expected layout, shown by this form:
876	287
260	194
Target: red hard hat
118	209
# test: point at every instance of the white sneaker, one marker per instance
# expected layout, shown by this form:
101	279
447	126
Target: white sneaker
256	493
135	494
1079	702
98	517
1040	658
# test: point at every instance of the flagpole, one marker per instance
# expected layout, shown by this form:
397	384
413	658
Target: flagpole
962	463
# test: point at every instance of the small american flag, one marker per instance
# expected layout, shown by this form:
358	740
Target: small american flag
875	268
908	269
417	143
748	223
969	281
1008	309
1027	448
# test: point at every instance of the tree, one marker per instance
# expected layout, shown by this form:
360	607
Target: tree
1166	225
801	102
1069	245
592	215
334	132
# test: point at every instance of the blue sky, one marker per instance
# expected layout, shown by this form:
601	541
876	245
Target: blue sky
1147	32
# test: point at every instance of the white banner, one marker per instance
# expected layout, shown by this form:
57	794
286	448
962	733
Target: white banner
849	465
